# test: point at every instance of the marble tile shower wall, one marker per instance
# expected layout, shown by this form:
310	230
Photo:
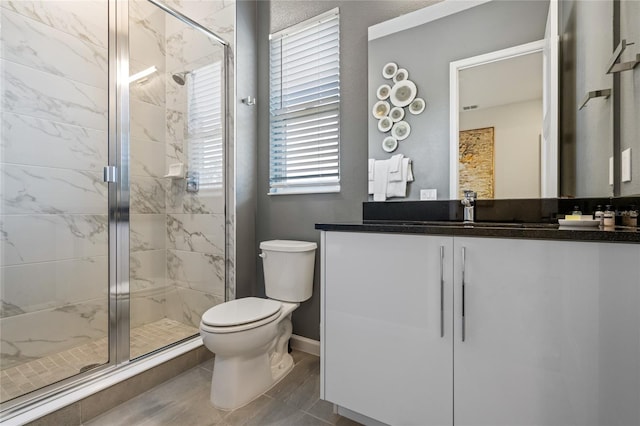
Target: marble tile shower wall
177	238
147	277
53	221
195	221
220	17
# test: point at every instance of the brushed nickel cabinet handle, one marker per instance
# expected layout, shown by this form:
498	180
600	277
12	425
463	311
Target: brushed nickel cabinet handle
463	295
441	291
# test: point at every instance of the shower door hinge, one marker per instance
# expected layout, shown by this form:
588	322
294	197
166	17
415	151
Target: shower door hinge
110	174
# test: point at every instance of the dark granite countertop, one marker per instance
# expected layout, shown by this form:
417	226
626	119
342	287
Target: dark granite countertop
539	231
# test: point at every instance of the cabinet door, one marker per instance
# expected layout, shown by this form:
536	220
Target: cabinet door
385	354
551	333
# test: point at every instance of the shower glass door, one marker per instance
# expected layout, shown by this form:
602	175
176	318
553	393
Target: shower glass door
177	143
94	274
54	227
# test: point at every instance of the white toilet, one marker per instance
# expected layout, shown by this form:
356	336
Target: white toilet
250	335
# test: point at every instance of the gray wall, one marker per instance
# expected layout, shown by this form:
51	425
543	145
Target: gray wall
294	216
426	51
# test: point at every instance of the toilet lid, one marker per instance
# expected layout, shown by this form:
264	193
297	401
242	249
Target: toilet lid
288	246
241	311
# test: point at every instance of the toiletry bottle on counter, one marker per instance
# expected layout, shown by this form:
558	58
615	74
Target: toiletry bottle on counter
609	217
599	214
576	211
631	217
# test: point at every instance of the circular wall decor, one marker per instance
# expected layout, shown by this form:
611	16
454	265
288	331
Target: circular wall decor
389	144
385	124
381	109
389	70
401	75
401	130
417	106
403	93
383	92
396	114
394	96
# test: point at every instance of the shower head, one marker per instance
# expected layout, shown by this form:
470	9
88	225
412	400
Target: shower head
180	77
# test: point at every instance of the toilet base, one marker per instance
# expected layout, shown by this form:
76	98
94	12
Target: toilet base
249	362
282	368
255	379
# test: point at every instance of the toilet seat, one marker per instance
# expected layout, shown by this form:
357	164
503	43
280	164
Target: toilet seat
240	314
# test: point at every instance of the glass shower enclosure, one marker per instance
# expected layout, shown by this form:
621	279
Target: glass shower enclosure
113	186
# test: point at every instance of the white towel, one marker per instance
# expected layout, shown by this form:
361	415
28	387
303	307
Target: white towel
395	168
399	188
382	188
380	180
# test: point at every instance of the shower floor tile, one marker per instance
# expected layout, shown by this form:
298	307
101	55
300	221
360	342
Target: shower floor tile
29	376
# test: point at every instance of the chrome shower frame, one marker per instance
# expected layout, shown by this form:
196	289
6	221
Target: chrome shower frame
119	193
118	211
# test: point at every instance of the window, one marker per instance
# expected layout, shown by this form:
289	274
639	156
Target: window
305	107
205	125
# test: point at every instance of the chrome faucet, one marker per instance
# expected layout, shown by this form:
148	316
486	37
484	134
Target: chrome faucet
468	202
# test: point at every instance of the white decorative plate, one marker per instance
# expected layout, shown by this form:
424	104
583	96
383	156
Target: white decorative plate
396	114
383	92
417	106
381	109
385	124
401	130
403	93
389	144
389	70
401	75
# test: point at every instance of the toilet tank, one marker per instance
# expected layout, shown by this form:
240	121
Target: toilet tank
288	269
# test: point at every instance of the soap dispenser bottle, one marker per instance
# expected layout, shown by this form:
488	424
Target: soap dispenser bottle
609	220
633	216
599	214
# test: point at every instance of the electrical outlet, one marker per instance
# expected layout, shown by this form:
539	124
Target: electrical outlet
428	194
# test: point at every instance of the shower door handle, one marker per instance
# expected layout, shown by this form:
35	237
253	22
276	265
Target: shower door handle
110	174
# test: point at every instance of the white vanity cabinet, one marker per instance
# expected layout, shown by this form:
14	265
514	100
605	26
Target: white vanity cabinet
551	330
387	346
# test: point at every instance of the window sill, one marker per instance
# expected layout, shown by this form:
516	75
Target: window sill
305	190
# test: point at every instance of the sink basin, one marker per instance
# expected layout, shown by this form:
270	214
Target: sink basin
514	225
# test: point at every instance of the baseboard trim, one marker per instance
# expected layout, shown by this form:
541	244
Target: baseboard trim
304	344
357	417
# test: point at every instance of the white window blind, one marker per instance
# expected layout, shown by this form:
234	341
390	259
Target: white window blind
305	107
205	127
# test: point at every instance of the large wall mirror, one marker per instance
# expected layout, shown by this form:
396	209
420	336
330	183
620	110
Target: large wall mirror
497	144
500	118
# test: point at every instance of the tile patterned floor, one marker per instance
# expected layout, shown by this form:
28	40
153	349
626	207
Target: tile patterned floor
156	335
184	400
26	377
